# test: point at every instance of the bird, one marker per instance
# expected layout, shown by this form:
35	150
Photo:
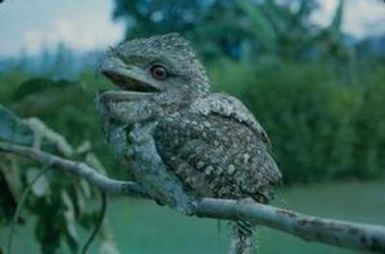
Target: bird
181	141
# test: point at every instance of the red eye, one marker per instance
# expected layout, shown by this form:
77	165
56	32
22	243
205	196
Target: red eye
158	72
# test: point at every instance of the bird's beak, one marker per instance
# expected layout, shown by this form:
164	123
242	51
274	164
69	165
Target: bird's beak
133	83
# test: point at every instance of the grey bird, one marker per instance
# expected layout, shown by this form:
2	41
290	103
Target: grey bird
181	141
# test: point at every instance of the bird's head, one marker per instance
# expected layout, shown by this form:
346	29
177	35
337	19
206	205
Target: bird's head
164	64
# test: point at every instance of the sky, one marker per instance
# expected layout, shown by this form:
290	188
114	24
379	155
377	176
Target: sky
361	17
27	26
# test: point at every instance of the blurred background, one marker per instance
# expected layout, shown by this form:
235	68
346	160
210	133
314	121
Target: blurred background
311	71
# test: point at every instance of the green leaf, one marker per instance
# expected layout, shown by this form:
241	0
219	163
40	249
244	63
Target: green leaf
9	192
12	129
12	176
41	186
70	222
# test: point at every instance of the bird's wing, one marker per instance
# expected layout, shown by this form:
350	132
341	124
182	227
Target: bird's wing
230	107
216	155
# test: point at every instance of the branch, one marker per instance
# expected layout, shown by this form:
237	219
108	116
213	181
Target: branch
78	168
357	236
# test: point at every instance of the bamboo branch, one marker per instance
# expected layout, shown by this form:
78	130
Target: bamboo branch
357	236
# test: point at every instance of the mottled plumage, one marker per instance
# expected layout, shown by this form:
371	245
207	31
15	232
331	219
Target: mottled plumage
218	151
181	141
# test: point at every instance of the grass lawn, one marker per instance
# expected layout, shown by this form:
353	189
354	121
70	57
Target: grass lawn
141	227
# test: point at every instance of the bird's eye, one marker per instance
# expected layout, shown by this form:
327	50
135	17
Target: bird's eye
159	72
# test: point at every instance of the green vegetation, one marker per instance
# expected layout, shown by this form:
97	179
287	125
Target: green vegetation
319	96
143	227
320	129
239	29
58	200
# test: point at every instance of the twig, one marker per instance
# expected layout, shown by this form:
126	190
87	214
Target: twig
357	236
102	215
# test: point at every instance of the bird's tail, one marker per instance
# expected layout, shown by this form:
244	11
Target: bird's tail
243	238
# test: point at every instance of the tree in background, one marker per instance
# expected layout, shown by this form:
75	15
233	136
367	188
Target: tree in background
320	129
239	29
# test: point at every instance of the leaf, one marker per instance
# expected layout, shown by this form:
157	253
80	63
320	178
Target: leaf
8	195
85	188
12	128
94	162
52	137
12	175
41	186
70	222
80	200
